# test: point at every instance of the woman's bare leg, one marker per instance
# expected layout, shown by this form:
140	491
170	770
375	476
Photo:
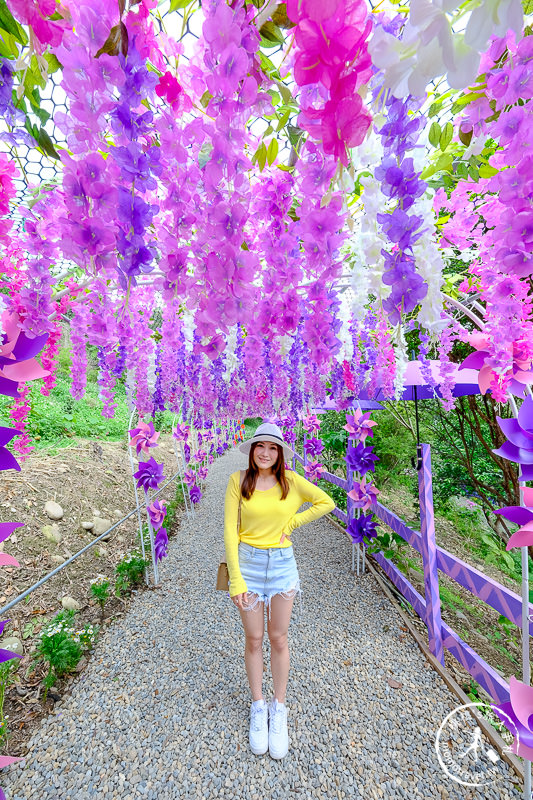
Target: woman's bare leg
278	628
253	622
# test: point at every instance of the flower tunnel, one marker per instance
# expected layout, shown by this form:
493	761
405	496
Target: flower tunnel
255	208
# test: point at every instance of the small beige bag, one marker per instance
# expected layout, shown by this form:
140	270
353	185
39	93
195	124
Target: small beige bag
223	573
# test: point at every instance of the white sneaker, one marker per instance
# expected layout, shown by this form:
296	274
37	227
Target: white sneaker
259	727
278	737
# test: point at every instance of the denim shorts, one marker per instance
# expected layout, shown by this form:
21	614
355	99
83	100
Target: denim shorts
267	572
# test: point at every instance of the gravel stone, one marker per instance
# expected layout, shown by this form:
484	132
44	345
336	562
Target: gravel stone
175	722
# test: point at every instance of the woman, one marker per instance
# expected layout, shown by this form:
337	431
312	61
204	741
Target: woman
260	513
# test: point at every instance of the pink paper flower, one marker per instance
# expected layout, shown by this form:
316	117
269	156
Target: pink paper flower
359	425
144	437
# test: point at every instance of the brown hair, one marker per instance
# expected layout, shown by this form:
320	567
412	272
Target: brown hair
250	478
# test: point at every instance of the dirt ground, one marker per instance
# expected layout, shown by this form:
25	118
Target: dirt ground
87	479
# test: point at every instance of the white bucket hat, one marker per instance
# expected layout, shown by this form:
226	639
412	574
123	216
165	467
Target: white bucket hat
267	432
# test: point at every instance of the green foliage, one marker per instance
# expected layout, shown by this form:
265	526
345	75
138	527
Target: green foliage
129	572
61	646
58	417
7	678
100	591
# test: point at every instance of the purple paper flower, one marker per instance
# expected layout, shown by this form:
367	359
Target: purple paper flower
161	544
361	527
313	447
189	476
149	475
157	514
363	494
143	437
361	459
195	494
7	459
181	432
313	471
359	425
519	432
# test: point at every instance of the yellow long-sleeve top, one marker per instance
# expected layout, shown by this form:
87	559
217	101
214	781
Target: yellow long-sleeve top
265	517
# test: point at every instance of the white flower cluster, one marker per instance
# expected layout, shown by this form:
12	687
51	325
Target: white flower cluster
99	580
429	265
188	328
430	47
86	635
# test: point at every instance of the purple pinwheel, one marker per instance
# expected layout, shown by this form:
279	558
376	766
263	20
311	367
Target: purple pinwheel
195	494
363	494
516	714
161	544
7	459
149	475
313	471
523	516
202	473
221	449
187	453
311	423
200	438
519	432
157	514
17	356
200	455
189	476
6	655
359	425
181	432
313	447
361	459
361	527
143	437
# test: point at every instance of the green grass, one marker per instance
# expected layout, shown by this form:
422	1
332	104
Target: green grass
56	419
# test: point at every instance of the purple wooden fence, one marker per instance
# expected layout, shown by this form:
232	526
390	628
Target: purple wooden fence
435	558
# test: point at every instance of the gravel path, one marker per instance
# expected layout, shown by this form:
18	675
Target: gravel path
162	710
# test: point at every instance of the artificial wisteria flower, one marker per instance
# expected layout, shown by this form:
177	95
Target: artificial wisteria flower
361	459
161	544
195	494
143	437
313	447
149	475
157	513
363	494
359	425
362	527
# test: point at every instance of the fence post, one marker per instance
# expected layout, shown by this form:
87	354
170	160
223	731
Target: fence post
349	502
429	555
